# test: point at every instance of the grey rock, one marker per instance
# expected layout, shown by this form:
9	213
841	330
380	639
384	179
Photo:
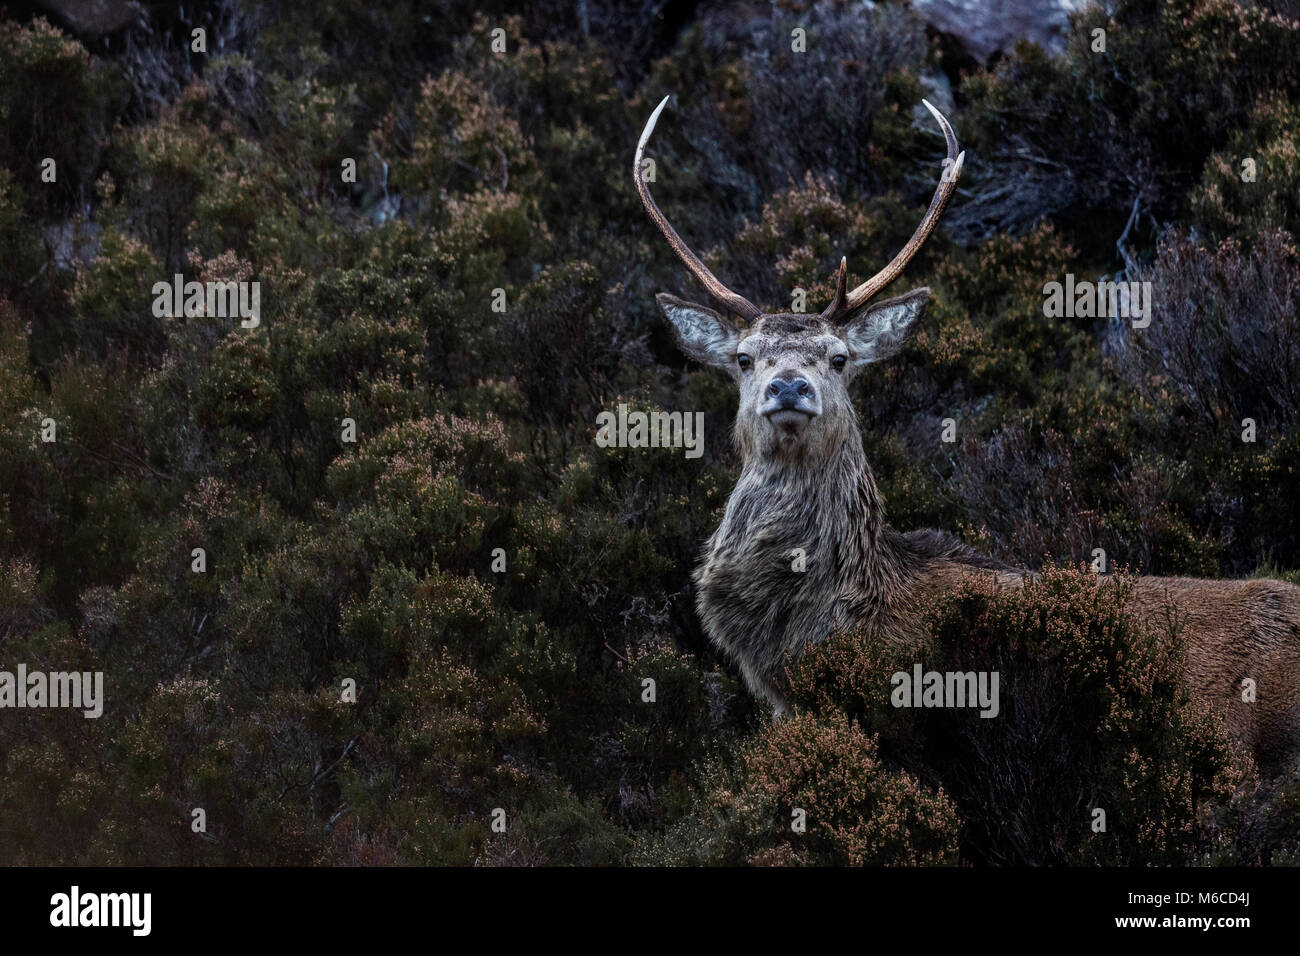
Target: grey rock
987	27
92	19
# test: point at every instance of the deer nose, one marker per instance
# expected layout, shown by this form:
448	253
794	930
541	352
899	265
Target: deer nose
788	391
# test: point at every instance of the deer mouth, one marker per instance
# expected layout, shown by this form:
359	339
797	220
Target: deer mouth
790	419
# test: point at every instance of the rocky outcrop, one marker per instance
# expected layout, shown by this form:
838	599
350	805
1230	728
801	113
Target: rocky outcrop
984	29
92	19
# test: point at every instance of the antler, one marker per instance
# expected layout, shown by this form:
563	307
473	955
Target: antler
736	303
842	305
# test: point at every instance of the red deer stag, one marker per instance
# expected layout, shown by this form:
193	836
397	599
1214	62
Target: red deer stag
805	488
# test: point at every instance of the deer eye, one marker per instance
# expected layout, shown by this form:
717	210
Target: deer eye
744	361
838	362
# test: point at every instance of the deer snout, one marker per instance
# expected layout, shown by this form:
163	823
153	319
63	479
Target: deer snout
789	392
790	400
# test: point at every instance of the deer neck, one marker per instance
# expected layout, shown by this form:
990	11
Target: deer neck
814	534
802	549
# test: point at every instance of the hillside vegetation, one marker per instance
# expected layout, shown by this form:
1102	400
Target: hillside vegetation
496	585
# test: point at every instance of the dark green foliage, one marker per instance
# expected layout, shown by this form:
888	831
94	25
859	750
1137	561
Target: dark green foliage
1234	199
1088	134
54	99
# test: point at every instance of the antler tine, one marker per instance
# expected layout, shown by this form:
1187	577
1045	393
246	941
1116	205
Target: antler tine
947	185
841	284
736	303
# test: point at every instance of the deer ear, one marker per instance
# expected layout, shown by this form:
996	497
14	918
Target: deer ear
702	333
879	331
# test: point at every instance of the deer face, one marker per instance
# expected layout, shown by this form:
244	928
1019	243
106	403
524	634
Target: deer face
793	370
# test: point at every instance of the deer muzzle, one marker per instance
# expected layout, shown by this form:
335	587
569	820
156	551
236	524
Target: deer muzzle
790	402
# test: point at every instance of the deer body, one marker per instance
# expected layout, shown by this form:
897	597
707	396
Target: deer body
803	545
858	571
803	548
1234	630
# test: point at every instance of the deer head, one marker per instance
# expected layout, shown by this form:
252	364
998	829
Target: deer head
793	369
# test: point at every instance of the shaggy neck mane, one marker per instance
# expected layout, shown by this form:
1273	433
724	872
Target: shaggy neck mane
803	549
832	508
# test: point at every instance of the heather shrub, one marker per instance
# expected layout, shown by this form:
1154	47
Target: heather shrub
739	88
569	110
1020	484
1087	135
464	141
384	51
311	119
1224	341
29	481
1224	347
917	494
191	739
18	248
49	810
236	211
54	98
175	615
564	373
797	242
855	810
1273	837
993	336
114	293
1226	204
238	389
427	490
1039	493
161	169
